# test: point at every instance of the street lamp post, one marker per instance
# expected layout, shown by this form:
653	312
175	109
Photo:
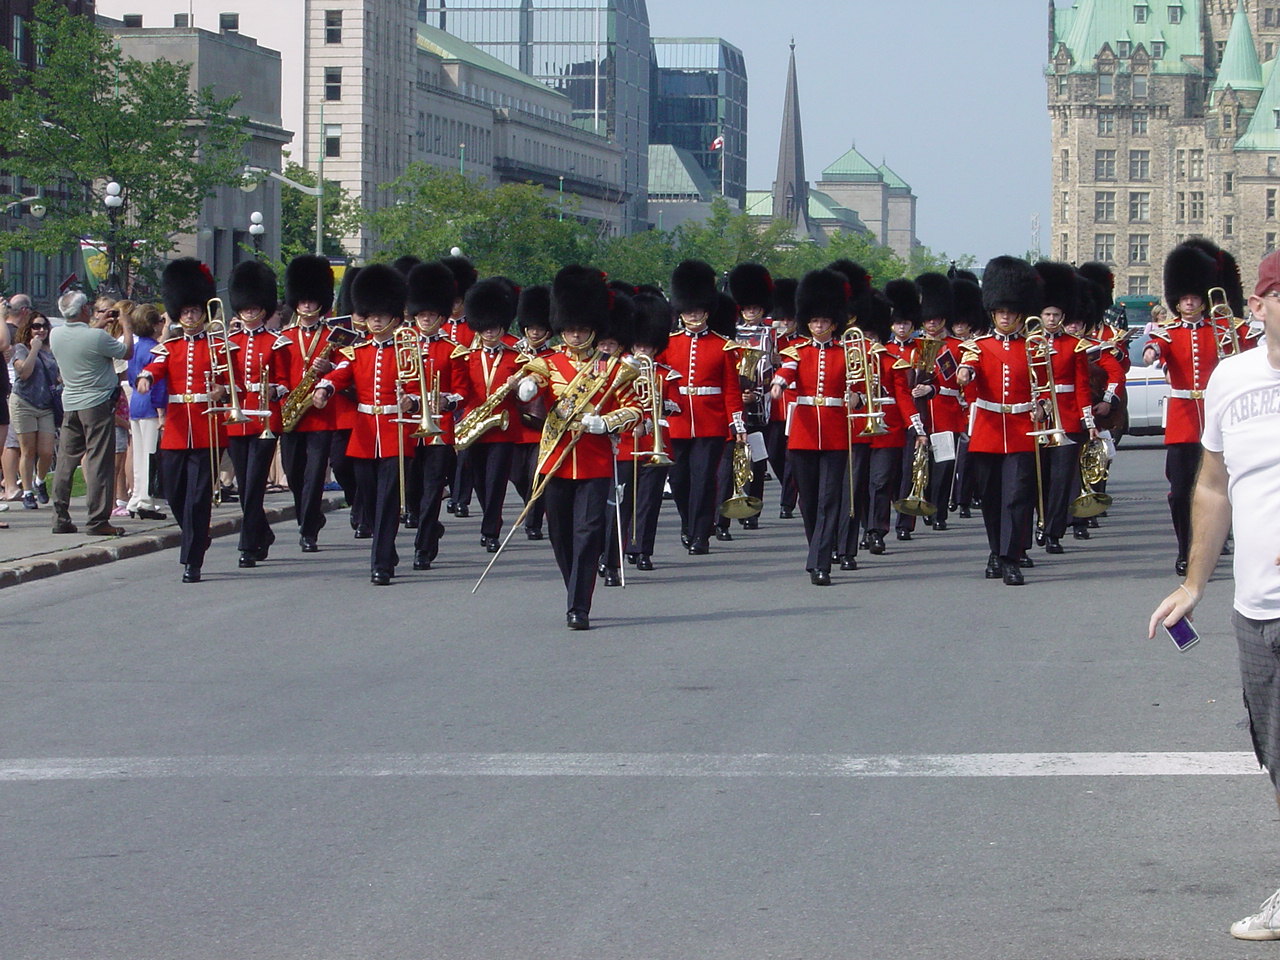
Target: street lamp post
256	230
462	158
114	202
561	217
253	175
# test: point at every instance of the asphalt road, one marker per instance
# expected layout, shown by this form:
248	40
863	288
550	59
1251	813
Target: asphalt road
289	763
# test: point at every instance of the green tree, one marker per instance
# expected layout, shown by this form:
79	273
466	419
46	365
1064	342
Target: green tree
86	115
340	213
645	257
726	239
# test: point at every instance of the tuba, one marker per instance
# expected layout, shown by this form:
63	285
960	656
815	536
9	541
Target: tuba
483	417
1093	473
863	367
648	390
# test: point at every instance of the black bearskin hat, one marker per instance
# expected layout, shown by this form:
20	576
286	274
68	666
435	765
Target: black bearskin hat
378	290
1059	286
904	297
959	273
1100	275
651	289
432	289
724	318
750	285
784	298
621	322
652	321
935	296
876	316
1012	284
1189	268
1090	302
308	277
621	286
967	297
693	287
534	307
856	274
579	298
1228	273
252	284
464	273
823	293
404	264
345	307
491	303
186	282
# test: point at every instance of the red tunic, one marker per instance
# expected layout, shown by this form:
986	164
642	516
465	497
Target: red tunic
778	408
895	398
710	395
531	432
1071	382
370	368
640	437
459	331
1189	353
592	455
488	369
438	359
1000	395
817	376
307	344
255	350
184	363
945	412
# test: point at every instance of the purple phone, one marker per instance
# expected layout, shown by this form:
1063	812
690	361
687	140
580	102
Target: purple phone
1183	634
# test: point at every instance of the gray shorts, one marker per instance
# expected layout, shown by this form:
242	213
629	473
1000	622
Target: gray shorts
24	418
1259	643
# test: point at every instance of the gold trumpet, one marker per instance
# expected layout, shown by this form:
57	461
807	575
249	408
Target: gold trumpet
648	390
862	367
1093	473
264	403
220	363
410	368
1223	320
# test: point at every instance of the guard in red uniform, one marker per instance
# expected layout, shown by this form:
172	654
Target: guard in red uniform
193	438
785	335
587	397
261	365
456	329
1060	464
934	386
431	290
379	440
710	400
492	363
305	450
533	316
969	320
751	287
904	298
818	438
1001	448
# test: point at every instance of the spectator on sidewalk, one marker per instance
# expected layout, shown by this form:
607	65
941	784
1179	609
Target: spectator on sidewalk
146	417
85	356
34	407
17	309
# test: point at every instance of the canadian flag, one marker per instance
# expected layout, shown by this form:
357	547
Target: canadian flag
717	143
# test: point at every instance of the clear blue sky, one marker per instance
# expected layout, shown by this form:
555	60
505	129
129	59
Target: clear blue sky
950	95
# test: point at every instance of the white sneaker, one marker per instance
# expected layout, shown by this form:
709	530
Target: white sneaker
3	506
1263	925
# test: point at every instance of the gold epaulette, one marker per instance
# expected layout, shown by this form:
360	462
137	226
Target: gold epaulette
350	352
281	342
1161	332
791	353
459	351
969	349
1082	345
901	364
160	350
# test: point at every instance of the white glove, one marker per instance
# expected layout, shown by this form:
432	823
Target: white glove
670	406
594	423
527	389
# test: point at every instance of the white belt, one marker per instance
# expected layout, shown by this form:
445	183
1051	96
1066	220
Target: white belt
188	398
884	400
378	410
255	387
948	392
701	391
820	401
1187	394
1064	388
1003	407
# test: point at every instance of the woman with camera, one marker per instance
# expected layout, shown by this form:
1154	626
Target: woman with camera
35	406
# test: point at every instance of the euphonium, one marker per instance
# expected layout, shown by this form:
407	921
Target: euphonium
1093	473
482	418
1043	391
914	504
862	367
648	390
740	505
220	363
1223	320
410	368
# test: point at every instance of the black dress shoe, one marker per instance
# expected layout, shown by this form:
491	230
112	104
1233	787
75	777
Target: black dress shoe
1180	567
1013	575
577	621
866	540
1093	522
750	523
723	534
490	544
698	548
533	534
786	513
613	578
928	521
995	569
848	563
364	532
65	526
146	513
308	544
1026	563
190	573
820	578
643	562
1054	545
411	522
450	507
904	534
686	540
1080	533
631	558
877	543
965	512
247	559
939	524
380	578
420	562
228	495
462	510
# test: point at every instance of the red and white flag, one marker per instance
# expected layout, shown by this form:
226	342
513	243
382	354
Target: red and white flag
717	143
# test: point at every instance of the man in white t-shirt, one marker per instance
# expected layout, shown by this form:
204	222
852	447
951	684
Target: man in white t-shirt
1239	480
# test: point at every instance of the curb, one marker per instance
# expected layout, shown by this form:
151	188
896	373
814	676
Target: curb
108	551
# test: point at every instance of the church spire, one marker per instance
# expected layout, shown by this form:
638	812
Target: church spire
790	188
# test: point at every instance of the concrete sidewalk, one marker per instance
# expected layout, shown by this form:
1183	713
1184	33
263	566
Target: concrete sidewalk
29	551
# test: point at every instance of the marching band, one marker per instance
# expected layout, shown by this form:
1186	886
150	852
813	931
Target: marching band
936	395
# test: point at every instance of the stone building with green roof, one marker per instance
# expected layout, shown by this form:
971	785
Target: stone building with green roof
883	201
1165	125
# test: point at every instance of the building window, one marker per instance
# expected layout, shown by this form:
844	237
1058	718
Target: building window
1140	86
1140	13
1157	50
1104	247
1228	225
1138	124
1104	206
1181	206
182	20
1139	248
1104	165
1270	50
1124	49
1139	164
1271	203
1180	164
1106	123
1066	164
1139	286
1228	183
1062	84
1064	216
1226	120
333	139
333	83
1195	205
1269	242
1175	13
1139	207
133	21
19	33
1269	17
1271	166
333	26
229	22
1106	85
1195	165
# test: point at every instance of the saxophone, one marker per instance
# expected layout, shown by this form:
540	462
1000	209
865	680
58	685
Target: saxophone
482	418
299	401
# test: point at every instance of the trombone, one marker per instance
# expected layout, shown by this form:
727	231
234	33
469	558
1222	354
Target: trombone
863	367
220	365
1223	320
410	368
1044	398
648	391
